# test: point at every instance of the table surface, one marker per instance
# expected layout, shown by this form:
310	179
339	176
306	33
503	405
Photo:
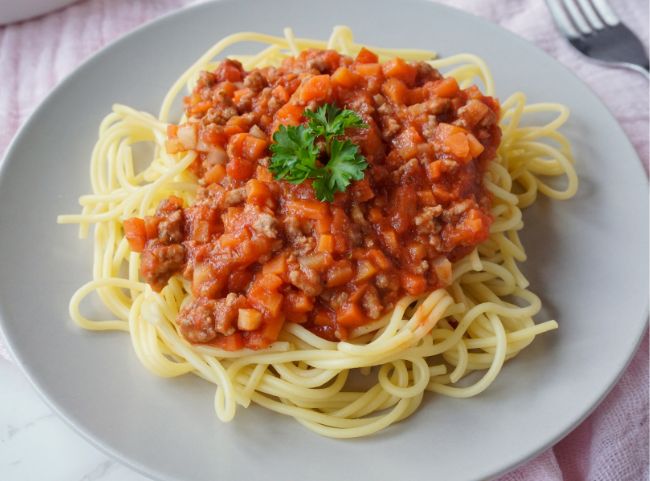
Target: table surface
36	444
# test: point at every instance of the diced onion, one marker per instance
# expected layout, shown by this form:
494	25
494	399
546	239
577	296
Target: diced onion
249	319
187	135
216	156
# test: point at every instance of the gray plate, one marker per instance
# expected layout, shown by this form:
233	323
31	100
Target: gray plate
588	261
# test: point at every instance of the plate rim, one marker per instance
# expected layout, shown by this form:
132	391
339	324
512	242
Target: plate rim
153	23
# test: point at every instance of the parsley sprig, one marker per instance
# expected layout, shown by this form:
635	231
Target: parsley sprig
297	156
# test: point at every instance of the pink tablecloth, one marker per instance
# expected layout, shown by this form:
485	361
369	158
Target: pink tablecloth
612	444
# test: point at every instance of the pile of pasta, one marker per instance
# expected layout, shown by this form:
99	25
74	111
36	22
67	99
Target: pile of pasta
427	343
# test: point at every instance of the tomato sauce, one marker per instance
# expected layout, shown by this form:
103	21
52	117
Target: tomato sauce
261	252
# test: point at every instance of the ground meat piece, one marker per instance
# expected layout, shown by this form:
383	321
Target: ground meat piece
421	268
207	79
456	209
159	262
230	70
425	73
170	228
196	320
220	114
386	282
306	279
475	113
379	99
409	172
226	313
245	102
385	108
319	63
429	127
371	303
255	81
427	215
357	215
266	225
170	220
337	300
389	127
235	196
300	243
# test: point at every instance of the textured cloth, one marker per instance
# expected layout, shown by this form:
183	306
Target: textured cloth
612	443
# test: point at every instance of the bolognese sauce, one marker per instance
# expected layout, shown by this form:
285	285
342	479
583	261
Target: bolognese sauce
260	252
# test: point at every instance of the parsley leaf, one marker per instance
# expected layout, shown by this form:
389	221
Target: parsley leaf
330	121
295	152
345	165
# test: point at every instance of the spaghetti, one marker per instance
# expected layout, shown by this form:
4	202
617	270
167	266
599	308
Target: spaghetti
428	342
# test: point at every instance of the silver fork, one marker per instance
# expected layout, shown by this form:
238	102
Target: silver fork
593	28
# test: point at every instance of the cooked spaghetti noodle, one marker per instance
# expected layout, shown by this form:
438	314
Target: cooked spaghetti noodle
425	343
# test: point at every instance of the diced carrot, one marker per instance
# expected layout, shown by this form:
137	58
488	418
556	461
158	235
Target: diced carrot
200	107
172	131
299	302
414	284
318	87
230	240
395	90
375	215
369	70
475	147
379	259
240	166
270	282
151	226
389	236
263	174
213	134
435	170
277	265
399	69
272	302
441	194
201	231
344	77
239	280
233	129
447	87
280	93
253	148
361	190
214	174
208	281
366	56
271	328
289	114
407	142
351	315
135	233
234	342
416	95
239	94
426	198
340	273
454	140
308	209
325	243
257	192
365	270
173	146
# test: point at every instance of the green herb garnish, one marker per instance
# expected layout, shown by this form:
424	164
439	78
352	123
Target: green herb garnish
298	156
